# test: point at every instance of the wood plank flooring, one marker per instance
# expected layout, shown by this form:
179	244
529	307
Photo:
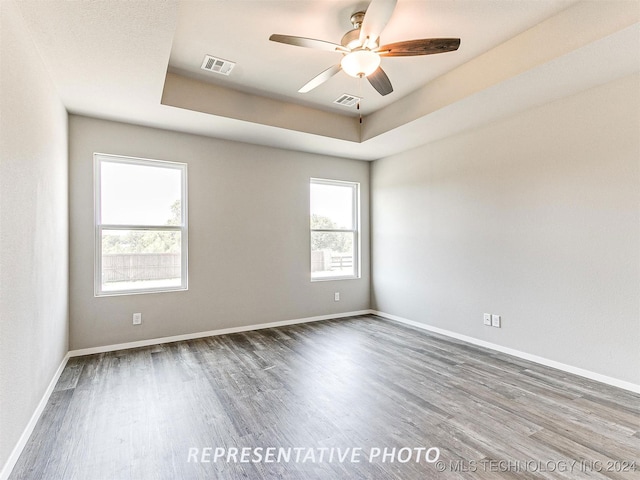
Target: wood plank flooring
329	388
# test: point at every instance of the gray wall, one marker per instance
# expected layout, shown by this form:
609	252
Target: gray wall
248	237
33	229
535	218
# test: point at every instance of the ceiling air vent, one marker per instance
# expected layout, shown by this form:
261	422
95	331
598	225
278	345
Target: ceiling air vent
217	65
347	100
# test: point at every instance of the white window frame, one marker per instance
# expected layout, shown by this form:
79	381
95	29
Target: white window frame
355	186
99	226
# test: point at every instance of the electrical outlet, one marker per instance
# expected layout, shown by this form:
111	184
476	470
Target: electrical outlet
137	318
487	319
495	321
336	296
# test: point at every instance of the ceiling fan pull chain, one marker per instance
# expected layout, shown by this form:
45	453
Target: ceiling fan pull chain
359	98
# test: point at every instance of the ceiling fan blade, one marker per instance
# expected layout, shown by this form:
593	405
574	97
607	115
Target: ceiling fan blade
380	82
425	46
307	42
375	19
320	79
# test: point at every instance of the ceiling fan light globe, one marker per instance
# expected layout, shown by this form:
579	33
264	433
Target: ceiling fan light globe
360	63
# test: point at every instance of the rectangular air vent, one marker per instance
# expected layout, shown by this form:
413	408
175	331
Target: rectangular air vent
347	100
217	65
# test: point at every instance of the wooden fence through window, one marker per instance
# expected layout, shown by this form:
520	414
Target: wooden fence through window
130	267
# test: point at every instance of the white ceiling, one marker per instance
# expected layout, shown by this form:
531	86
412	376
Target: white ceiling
110	59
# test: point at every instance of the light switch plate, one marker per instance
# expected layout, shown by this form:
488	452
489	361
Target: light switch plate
487	319
495	321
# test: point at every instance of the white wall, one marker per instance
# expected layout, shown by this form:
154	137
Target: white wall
33	230
248	237
535	218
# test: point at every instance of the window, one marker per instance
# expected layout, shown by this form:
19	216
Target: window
140	225
335	227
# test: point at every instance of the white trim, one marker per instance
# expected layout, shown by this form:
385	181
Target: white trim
355	228
99	227
598	377
210	333
17	450
28	430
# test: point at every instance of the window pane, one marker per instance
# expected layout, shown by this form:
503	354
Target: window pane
332	254
331	206
140	194
140	259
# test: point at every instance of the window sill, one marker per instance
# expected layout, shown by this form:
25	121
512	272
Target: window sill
331	279
119	293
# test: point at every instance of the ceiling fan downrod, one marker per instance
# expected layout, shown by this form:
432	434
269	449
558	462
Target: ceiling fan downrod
357	19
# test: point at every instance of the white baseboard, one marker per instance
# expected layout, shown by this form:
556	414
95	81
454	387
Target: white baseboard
210	333
15	454
17	450
632	387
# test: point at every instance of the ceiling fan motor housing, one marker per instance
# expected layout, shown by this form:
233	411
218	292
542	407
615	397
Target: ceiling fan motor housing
351	39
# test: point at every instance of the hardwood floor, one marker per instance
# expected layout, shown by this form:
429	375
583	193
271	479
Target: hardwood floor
329	388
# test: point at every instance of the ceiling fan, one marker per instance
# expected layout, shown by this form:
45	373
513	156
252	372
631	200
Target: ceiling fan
361	50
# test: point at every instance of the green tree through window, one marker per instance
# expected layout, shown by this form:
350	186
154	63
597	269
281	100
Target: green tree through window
328	241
